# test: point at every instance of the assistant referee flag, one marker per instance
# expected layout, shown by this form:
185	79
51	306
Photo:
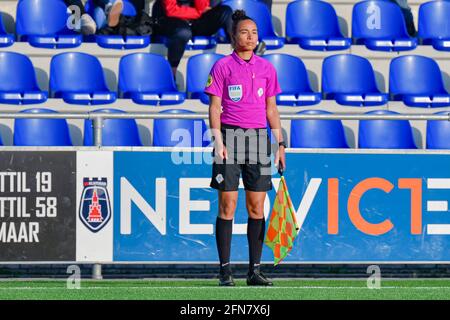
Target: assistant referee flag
283	227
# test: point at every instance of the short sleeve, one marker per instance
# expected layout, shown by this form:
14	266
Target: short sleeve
273	87
214	85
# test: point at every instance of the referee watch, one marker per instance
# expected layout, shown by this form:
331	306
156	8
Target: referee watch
282	144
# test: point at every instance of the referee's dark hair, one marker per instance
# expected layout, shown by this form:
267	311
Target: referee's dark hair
238	16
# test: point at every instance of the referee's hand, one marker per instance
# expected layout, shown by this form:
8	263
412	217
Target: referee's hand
280	158
221	151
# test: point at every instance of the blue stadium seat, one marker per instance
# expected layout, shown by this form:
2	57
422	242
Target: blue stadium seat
6	39
385	134
195	43
122	42
434	27
260	13
314	25
78	79
317	133
438	133
115	132
417	81
198	69
147	79
293	79
350	80
18	80
116	41
43	23
380	26
191	134
41	132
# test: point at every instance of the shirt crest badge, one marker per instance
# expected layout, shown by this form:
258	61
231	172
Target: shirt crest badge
235	92
210	81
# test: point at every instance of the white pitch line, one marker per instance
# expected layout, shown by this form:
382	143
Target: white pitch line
223	288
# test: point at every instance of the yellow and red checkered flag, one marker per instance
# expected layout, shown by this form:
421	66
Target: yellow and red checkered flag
283	227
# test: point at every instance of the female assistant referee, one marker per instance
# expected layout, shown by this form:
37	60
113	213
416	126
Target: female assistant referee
242	89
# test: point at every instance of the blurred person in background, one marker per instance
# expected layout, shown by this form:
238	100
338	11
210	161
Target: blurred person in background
88	26
180	20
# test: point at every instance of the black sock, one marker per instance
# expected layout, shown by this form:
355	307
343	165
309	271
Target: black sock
224	229
255	236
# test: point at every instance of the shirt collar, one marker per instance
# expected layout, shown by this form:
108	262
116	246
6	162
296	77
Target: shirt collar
240	60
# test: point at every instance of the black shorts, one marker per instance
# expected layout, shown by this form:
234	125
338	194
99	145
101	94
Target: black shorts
248	153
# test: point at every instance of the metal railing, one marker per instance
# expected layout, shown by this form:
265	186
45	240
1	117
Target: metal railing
98	117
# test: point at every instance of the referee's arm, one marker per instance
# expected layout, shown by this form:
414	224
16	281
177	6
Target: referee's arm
215	108
275	125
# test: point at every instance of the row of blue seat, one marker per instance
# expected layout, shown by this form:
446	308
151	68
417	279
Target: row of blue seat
146	78
116	132
381	134
313	24
78	78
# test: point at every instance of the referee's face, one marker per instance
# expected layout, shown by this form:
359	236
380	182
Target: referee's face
246	38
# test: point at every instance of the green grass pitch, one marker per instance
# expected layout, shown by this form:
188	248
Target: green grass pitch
284	289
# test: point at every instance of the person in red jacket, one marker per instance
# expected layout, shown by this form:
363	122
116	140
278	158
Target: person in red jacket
180	20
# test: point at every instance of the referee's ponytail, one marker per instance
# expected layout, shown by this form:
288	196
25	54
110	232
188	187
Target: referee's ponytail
238	16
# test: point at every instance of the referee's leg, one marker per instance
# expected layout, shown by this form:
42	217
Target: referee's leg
224	229
256	226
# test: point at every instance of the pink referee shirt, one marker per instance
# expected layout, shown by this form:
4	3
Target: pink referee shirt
244	88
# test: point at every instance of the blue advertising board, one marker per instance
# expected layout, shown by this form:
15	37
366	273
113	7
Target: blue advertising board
352	207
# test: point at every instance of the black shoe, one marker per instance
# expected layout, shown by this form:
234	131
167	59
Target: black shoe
256	278
226	280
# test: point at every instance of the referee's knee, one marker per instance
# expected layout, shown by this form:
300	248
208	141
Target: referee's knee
255	211
255	214
227	209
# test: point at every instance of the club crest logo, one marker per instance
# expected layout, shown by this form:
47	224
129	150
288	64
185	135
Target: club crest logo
210	81
235	92
95	208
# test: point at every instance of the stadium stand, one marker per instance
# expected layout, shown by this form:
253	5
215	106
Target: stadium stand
115	132
417	81
350	80
147	79
387	32
78	78
294	82
313	60
41	132
317	133
385	134
18	80
314	26
179	132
